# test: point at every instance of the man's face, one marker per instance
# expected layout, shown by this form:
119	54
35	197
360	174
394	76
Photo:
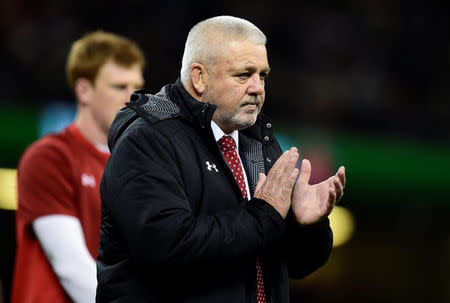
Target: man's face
112	88
236	85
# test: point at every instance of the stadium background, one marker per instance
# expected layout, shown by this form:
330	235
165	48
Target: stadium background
360	83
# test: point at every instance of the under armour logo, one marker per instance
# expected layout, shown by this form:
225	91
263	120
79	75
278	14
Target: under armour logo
211	166
88	180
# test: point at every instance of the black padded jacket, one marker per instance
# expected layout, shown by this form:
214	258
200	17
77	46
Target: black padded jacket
174	224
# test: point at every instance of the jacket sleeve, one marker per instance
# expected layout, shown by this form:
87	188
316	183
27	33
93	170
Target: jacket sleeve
144	192
307	247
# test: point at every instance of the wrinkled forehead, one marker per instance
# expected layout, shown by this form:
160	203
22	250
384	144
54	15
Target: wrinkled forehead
235	49
243	52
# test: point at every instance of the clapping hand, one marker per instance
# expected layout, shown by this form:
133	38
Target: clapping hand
312	203
276	188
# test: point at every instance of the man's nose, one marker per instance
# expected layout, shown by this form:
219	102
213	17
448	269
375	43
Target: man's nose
127	94
256	85
130	90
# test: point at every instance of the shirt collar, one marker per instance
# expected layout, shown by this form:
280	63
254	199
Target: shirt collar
218	133
103	148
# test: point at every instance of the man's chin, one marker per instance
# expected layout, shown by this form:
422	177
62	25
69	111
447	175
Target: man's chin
244	123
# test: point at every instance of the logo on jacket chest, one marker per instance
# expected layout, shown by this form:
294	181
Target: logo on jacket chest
211	166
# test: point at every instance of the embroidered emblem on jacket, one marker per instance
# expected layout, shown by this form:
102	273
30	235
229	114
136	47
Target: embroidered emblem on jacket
211	166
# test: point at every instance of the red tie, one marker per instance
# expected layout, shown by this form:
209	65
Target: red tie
228	147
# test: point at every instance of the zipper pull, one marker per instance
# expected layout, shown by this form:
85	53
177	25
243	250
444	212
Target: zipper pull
204	113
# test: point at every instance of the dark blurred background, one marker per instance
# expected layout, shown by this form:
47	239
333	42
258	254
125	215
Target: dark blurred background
360	83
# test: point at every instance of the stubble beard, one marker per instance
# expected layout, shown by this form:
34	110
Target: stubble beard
241	118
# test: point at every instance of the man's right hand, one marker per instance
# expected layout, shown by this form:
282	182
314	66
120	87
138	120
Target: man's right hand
276	188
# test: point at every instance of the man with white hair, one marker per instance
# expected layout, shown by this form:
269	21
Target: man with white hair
199	204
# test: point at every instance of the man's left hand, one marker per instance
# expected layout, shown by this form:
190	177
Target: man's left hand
312	203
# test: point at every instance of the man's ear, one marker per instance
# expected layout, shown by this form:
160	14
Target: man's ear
83	89
199	78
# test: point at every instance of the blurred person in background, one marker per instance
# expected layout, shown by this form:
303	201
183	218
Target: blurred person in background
58	215
199	204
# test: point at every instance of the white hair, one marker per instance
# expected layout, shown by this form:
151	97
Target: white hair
204	38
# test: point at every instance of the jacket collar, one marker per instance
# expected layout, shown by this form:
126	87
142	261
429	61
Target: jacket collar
202	113
192	110
173	100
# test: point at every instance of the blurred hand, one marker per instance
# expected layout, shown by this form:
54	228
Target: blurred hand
276	188
312	203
